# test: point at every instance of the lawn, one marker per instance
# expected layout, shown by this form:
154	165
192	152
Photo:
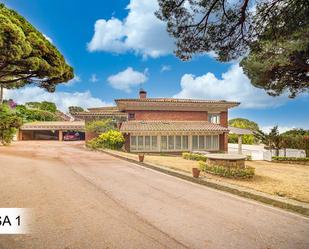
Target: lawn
289	180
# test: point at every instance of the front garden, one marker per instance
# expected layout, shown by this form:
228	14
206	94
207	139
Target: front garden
285	180
276	178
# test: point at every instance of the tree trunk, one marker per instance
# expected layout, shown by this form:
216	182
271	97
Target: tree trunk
1	94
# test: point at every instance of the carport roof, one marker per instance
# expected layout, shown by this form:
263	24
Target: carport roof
54	125
240	131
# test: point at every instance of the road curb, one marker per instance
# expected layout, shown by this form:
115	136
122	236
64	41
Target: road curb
263	199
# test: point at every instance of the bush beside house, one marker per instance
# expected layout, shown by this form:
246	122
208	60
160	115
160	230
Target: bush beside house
96	127
111	139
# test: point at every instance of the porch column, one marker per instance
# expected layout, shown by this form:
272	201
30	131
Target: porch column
239	144
60	134
159	143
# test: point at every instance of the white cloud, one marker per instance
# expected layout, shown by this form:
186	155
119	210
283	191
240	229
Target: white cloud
141	32
62	99
165	68
127	79
48	38
73	81
234	85
93	78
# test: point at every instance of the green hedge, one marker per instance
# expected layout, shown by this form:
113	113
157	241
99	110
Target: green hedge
230	172
194	156
283	158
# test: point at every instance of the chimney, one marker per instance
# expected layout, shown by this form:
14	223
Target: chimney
142	94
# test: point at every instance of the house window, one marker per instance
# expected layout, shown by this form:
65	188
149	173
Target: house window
144	143
147	142
201	142
133	142
212	142
185	140
214	118
140	142
208	142
194	142
163	142
215	142
171	142
178	142
131	116
154	142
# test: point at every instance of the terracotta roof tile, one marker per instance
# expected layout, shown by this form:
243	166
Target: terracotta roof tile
55	125
178	100
130	126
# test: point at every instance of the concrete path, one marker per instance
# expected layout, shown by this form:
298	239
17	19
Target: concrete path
85	199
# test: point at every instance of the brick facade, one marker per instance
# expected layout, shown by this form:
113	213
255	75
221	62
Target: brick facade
224	119
169	115
90	135
223	142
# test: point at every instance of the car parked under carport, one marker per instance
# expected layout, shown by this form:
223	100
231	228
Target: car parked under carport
53	130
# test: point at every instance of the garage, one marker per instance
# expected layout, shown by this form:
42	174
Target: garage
53	130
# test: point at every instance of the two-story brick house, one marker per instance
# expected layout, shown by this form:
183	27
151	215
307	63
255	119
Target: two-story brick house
169	124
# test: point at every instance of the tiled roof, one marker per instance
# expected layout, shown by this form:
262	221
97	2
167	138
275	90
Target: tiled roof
54	125
104	108
100	113
178	100
131	126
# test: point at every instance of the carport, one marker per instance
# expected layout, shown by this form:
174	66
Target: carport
51	130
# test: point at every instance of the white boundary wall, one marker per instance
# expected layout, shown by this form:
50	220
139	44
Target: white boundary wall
257	152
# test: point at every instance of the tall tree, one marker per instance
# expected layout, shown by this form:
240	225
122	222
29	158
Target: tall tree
73	109
246	124
275	31
272	140
278	60
44	105
26	56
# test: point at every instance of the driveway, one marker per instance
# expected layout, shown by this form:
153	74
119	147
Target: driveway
86	199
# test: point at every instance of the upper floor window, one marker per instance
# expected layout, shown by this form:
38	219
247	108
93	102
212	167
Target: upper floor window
131	116
214	118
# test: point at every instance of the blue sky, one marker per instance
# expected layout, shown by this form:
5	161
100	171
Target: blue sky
118	46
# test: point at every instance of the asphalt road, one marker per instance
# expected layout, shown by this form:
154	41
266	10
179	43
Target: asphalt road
85	199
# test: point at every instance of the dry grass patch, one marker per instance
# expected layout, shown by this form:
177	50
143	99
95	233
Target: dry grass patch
289	180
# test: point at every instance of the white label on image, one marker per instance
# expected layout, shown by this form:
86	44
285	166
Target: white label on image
14	220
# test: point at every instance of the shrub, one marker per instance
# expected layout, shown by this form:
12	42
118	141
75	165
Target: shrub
194	156
100	126
249	158
9	122
93	143
282	158
111	139
229	172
